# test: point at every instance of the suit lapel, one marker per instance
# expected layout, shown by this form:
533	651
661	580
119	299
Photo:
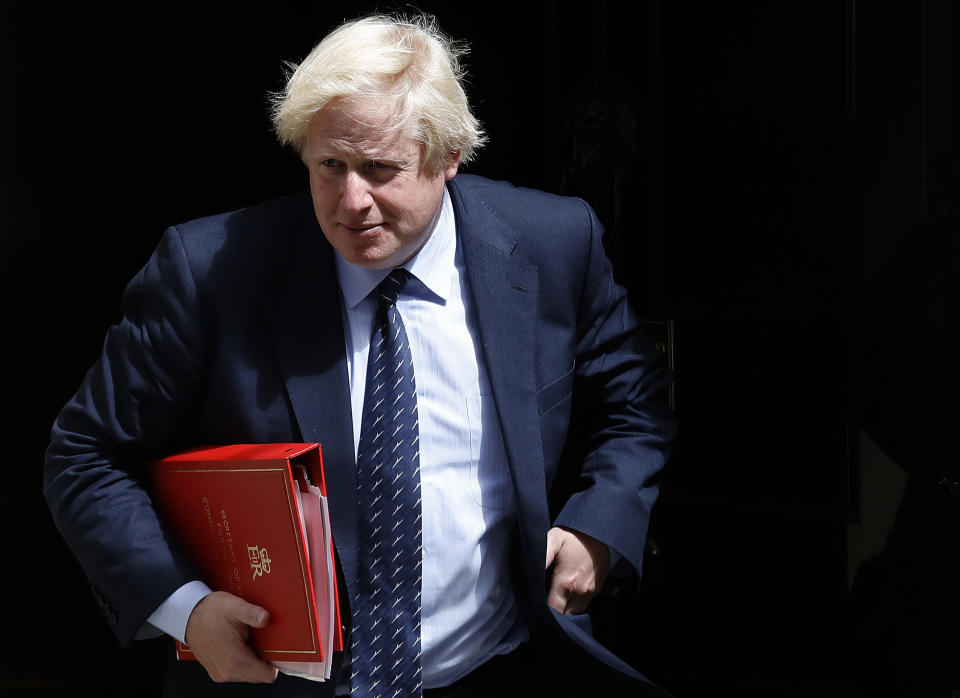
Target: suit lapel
504	292
304	317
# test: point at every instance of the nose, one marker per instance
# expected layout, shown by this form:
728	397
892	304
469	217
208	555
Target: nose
356	193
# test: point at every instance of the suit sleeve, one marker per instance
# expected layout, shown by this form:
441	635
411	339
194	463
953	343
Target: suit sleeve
621	424
130	407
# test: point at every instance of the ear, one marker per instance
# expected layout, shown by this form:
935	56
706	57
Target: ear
453	164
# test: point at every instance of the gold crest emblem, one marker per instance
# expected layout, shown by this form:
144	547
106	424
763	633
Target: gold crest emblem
259	560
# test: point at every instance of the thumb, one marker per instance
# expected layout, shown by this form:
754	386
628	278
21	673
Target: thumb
554	543
249	614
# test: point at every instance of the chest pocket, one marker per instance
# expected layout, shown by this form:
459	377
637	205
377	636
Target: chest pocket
490	474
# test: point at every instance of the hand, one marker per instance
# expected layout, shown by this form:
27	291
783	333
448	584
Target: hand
580	566
217	632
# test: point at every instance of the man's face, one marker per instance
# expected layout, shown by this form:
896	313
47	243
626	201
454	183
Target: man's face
371	193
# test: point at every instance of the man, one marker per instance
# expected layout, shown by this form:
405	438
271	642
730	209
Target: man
519	363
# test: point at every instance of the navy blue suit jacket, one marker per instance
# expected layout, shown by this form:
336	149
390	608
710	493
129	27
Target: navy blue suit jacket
232	333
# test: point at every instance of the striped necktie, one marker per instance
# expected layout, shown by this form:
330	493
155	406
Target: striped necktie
386	609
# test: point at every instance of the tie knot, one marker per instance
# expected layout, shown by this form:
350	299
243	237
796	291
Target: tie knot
391	286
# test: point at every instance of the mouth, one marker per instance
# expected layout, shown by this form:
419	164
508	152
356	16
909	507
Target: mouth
359	229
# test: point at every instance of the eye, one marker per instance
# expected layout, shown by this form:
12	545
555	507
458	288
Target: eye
329	163
377	165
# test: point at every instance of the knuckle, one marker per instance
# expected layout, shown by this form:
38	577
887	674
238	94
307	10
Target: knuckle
581	589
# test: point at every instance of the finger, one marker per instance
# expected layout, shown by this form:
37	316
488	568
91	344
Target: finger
238	663
250	667
217	632
254	669
573	570
556	596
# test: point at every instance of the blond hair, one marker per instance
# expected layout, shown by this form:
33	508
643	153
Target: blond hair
405	60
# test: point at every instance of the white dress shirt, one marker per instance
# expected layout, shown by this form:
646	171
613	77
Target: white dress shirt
469	611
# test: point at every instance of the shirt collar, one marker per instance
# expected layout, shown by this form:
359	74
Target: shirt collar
431	265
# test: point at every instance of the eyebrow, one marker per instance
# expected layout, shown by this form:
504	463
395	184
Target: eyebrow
383	155
337	153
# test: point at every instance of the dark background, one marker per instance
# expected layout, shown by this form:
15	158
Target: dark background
780	183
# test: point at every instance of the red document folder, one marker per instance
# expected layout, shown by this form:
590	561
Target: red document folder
236	512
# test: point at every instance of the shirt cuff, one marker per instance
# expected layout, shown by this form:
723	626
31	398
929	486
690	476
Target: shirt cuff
172	615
